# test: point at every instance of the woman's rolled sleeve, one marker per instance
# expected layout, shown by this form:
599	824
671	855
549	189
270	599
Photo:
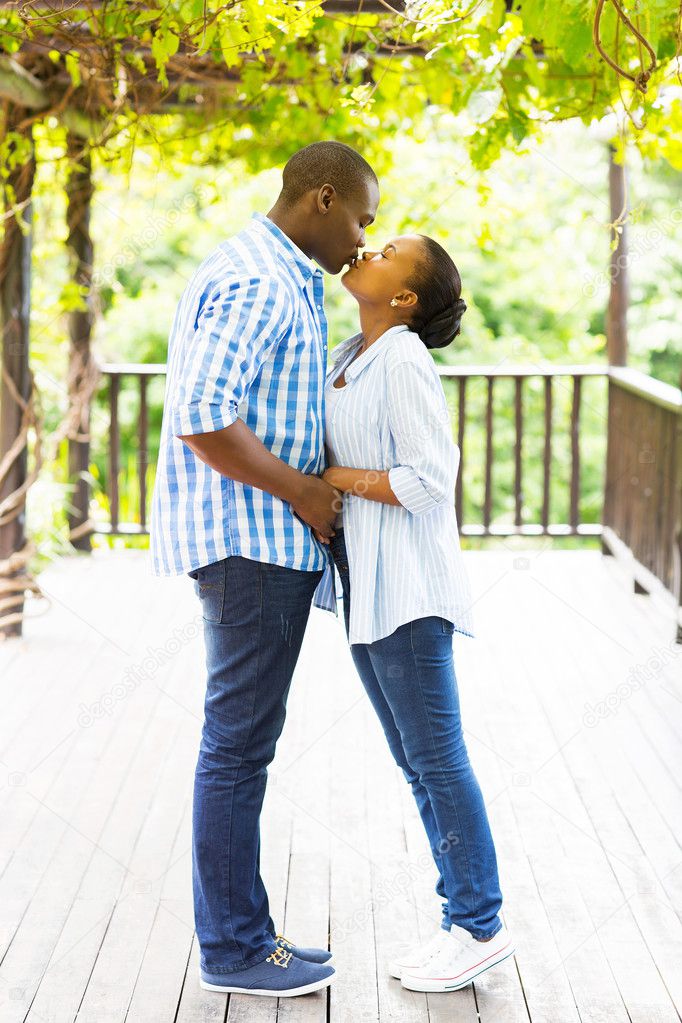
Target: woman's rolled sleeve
410	490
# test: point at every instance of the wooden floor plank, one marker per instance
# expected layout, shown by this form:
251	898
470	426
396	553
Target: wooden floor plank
39	656
516	717
543	979
306	918
160	980
354	994
122	779
121	952
55	715
103	886
656	829
62	839
396	911
644	968
197	1005
626	952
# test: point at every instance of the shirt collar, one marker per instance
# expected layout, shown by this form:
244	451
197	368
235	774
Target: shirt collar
297	263
345	346
357	365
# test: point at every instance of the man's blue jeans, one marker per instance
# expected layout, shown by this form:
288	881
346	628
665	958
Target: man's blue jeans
410	679
255	615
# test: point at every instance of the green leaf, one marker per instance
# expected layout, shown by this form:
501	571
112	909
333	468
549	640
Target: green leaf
164	44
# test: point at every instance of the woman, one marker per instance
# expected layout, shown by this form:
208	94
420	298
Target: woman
392	458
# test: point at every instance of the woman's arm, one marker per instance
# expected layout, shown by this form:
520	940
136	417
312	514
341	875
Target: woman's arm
371	484
427	457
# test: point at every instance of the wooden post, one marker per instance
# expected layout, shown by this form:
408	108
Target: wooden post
79	191
616	317
15	304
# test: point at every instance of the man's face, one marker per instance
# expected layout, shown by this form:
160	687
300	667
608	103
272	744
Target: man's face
342	229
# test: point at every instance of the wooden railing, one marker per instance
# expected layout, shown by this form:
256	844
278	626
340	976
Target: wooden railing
114	375
638	471
643	491
570	377
484	521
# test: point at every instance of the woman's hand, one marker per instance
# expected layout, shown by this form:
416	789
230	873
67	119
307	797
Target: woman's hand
333	476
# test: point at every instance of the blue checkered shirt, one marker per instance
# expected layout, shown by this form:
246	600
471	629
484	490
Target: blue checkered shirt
249	341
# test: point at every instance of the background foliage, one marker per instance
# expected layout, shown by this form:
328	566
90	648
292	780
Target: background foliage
271	75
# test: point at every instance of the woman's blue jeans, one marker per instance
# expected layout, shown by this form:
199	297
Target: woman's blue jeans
255	616
410	679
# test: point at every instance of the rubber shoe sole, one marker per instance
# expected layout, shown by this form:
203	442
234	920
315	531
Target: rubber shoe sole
290	993
396	971
436	984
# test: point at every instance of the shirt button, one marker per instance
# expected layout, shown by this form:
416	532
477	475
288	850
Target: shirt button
319	307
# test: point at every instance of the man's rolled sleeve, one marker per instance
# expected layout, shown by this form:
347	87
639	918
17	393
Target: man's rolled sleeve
201	418
425	475
239	325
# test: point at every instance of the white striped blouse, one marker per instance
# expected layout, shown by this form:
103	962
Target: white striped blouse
405	560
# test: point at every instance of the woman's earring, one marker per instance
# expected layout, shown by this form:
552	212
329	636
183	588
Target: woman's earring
394	301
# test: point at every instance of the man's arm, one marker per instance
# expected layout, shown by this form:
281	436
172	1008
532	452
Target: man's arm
236	452
239	326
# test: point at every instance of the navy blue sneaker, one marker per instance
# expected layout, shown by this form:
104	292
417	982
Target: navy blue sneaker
281	975
309	955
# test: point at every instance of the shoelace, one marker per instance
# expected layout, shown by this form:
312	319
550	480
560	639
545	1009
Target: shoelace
436	950
281	940
445	952
279	957
429	948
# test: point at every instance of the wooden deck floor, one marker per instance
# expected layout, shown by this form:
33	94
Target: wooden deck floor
572	703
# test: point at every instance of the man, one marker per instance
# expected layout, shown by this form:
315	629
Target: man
237	503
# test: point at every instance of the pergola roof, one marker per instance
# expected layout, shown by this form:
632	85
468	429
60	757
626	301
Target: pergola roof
126	76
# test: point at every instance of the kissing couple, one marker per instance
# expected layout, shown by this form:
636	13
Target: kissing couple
277	474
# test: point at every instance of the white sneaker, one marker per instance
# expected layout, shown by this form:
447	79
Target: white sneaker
458	961
416	956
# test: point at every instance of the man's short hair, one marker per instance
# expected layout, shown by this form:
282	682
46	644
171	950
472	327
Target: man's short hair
325	163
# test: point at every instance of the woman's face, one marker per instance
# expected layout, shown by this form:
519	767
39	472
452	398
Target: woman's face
377	277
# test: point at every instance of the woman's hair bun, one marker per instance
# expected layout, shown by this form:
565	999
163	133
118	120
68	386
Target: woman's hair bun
440	307
443	328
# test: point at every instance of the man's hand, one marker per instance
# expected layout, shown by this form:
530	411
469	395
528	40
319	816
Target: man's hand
318	504
236	452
